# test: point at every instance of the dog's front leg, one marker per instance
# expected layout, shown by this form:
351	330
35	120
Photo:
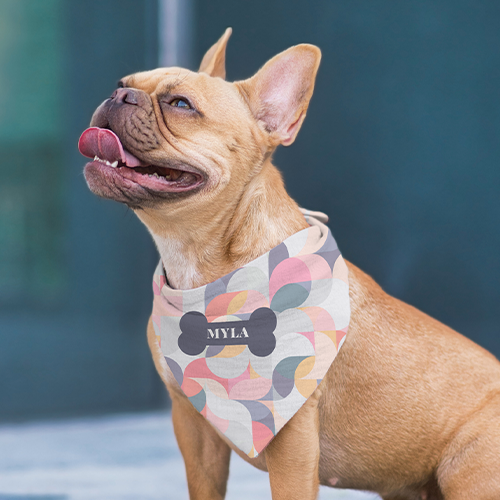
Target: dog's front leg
206	456
292	457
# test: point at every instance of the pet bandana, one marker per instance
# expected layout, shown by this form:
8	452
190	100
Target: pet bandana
251	347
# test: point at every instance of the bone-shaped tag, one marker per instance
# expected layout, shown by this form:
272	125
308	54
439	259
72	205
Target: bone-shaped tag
257	332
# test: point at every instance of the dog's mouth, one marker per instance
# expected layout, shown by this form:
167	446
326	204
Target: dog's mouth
116	164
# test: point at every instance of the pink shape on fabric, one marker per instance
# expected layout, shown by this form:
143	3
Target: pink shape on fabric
244	376
216	388
221	423
321	320
251	389
156	319
309	336
190	387
318	267
219	305
199	369
291	270
261	436
204	411
157	287
341	334
168	307
324	322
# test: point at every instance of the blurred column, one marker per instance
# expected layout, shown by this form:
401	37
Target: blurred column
175	27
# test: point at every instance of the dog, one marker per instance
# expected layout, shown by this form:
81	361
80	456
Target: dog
409	409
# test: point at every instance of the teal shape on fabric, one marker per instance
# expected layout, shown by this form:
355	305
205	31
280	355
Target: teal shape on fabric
287	367
288	296
199	400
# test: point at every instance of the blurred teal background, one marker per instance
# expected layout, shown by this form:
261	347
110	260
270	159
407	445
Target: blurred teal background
400	147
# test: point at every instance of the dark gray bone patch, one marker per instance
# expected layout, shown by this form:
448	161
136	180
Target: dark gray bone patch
257	332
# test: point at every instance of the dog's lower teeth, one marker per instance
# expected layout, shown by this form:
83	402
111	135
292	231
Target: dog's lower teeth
163	177
106	162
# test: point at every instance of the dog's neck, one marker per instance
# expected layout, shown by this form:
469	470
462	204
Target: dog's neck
210	245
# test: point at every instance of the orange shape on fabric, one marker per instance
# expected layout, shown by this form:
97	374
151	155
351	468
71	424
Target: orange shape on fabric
306	386
253	373
305	367
230	351
237	302
331	334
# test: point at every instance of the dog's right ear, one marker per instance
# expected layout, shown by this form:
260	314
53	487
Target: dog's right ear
279	93
214	61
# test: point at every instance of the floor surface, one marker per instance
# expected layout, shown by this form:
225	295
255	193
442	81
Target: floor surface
126	457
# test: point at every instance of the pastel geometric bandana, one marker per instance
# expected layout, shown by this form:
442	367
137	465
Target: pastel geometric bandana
251	347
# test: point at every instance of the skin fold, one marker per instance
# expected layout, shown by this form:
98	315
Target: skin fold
409	408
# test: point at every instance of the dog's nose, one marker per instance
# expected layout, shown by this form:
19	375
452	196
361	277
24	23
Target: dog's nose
124	96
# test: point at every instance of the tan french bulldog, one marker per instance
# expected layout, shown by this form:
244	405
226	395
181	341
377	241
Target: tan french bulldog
409	409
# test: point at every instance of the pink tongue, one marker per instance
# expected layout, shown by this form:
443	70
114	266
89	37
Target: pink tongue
105	144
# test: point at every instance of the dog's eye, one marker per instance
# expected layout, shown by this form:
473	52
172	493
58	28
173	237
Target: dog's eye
180	103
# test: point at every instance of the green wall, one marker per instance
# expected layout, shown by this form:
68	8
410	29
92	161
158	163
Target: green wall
75	290
401	144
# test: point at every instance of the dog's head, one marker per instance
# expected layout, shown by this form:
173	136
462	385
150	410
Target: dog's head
171	137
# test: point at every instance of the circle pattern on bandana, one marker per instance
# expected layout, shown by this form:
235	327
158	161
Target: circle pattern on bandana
246	396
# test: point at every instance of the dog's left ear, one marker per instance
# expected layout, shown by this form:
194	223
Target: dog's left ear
214	61
279	93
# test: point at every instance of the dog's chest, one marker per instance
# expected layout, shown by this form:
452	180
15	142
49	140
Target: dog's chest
179	266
